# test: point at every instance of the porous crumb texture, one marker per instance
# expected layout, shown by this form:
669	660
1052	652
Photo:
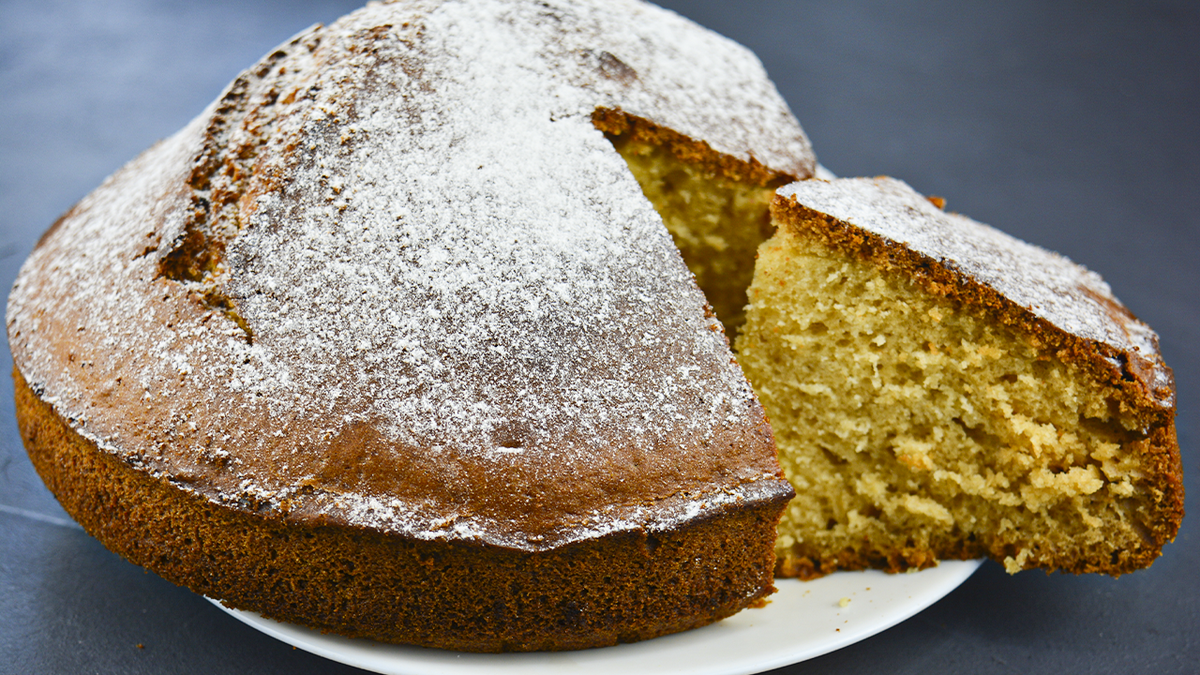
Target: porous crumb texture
716	220
918	424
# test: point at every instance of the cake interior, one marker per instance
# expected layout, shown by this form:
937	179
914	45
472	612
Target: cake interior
912	431
717	223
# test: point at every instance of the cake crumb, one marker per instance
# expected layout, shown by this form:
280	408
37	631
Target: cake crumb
1013	565
843	602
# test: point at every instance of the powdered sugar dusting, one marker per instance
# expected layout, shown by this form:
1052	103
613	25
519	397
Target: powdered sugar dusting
462	319
1047	284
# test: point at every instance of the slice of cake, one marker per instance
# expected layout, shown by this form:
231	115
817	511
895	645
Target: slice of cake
941	390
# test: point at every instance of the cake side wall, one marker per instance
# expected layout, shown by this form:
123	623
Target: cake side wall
621	588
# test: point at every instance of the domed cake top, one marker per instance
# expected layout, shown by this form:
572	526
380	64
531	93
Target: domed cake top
395	277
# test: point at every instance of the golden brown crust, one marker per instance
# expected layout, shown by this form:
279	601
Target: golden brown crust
619	588
818	564
1151	400
620	124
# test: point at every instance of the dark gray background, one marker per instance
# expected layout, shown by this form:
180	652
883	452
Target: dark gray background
1070	124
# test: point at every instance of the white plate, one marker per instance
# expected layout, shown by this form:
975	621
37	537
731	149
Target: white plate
803	620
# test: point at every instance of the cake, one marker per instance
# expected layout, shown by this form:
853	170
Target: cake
389	342
421	333
940	390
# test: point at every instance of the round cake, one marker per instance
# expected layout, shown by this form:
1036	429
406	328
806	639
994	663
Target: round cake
421	333
389	342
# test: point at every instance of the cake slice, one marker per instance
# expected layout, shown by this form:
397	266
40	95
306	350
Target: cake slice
941	390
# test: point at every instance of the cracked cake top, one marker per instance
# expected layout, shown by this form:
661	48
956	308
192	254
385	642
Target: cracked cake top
395	277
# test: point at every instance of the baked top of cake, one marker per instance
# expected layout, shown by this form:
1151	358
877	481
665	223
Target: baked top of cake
1052	296
395	278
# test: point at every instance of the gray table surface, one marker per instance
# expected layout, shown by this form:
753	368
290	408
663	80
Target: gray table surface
1071	124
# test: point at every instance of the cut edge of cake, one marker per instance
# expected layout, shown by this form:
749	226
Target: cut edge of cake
909	500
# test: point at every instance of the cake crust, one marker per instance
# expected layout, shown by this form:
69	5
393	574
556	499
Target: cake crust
1069	309
362	583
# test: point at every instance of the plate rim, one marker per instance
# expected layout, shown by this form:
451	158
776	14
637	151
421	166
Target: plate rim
904	595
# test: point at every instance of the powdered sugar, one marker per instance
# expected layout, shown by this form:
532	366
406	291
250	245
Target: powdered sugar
1049	285
462	319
